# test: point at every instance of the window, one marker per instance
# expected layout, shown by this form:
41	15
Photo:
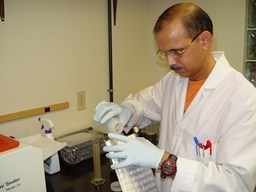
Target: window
250	48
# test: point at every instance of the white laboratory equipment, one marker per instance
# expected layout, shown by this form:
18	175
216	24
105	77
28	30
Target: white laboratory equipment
22	167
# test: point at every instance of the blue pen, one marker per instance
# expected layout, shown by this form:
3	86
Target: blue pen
197	144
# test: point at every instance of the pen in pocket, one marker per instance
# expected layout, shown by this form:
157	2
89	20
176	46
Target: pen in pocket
201	149
197	145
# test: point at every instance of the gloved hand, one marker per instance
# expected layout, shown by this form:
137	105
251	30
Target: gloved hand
135	151
107	110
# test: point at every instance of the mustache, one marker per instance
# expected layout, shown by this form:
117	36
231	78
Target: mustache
175	67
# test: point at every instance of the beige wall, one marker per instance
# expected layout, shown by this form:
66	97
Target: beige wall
51	49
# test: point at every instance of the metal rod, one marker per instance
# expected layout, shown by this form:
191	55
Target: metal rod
2	14
114	10
110	56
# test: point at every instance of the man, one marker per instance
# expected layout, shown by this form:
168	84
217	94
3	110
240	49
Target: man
206	108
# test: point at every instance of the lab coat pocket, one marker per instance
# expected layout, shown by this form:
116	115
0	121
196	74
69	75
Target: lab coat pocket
206	154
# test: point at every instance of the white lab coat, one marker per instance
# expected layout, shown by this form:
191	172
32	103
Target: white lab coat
223	111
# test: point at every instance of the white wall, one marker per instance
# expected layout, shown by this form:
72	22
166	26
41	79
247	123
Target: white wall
51	49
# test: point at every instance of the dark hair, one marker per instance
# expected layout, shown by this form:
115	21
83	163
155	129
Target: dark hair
194	19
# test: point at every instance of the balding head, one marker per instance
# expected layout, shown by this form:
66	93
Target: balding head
193	18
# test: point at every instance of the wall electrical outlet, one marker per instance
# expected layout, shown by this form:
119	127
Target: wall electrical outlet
81	102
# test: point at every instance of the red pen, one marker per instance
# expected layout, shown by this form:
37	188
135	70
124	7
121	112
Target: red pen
209	145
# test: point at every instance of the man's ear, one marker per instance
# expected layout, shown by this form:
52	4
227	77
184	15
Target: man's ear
206	40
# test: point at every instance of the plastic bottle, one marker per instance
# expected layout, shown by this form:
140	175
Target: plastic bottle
111	126
51	164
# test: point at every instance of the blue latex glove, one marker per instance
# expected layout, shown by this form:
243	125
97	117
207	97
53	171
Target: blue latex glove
107	110
135	151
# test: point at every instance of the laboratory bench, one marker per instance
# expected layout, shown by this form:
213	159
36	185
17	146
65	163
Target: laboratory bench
77	178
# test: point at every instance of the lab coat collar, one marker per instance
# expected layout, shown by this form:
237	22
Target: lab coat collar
219	72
